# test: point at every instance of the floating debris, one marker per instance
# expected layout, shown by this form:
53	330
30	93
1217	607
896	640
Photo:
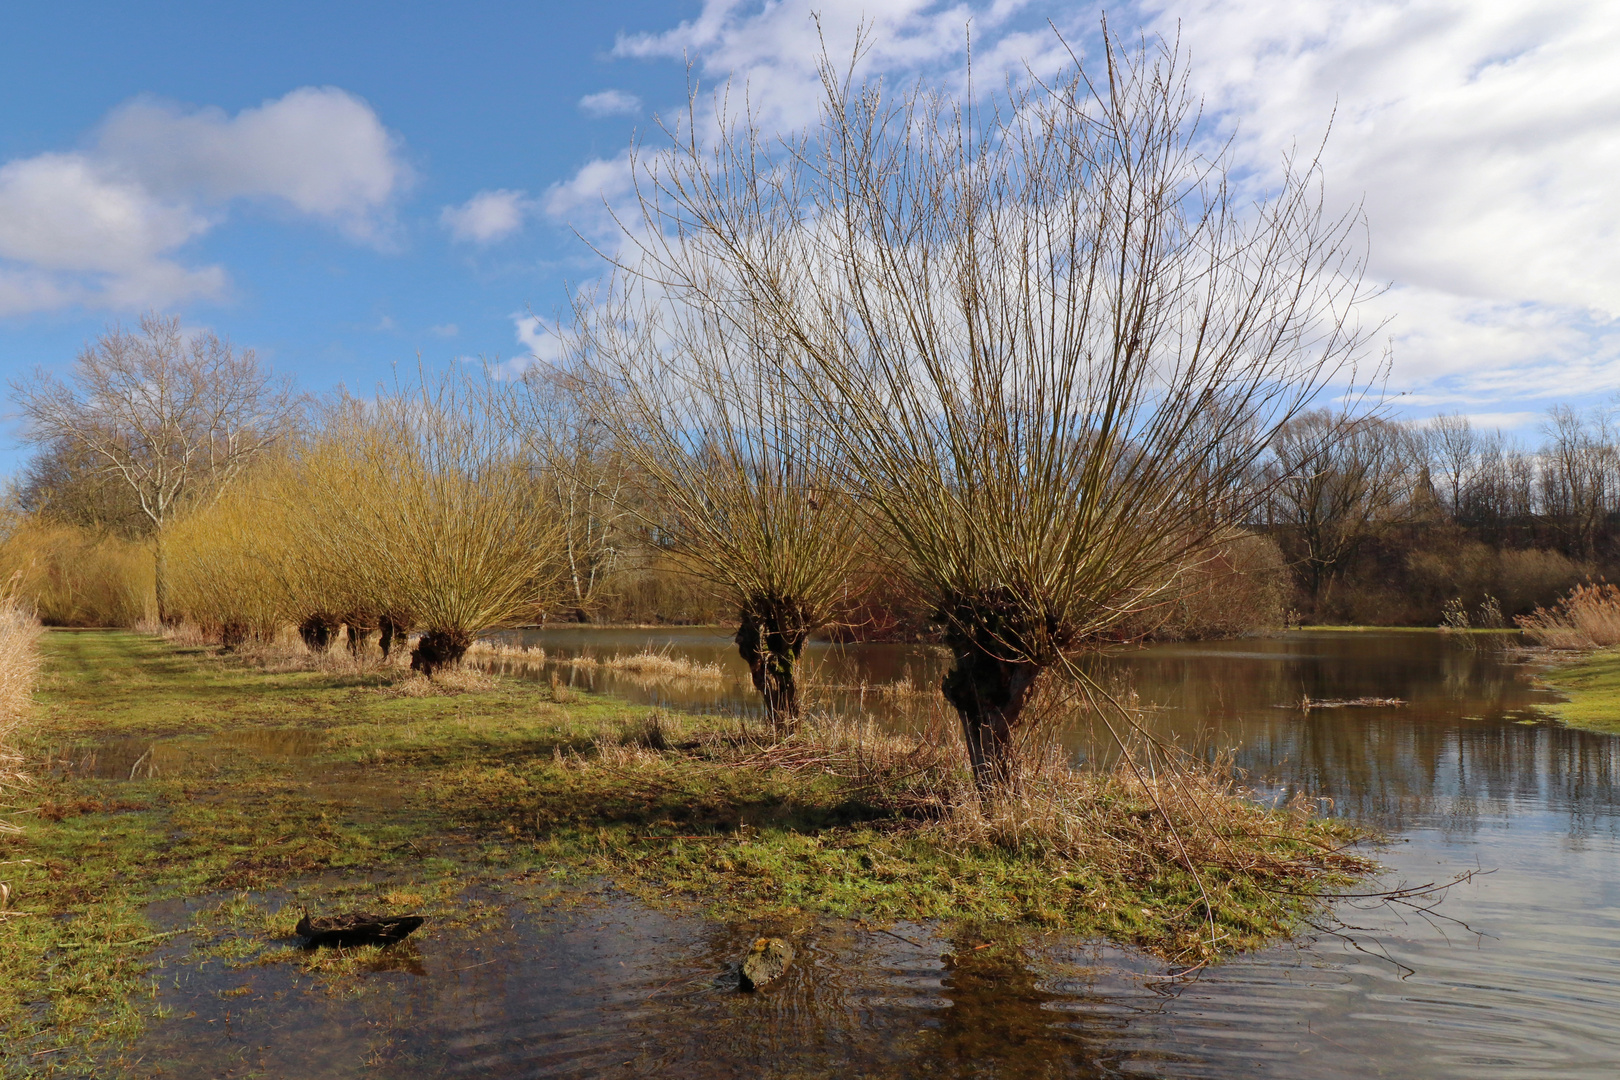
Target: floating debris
1308	703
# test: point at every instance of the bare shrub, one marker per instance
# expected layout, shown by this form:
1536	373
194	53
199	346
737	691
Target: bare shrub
437	515
77	577
745	483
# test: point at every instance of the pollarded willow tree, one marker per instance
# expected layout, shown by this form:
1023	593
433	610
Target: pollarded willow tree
747	491
436	517
1050	338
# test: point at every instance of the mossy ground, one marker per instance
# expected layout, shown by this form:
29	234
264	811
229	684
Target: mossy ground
421	803
1592	685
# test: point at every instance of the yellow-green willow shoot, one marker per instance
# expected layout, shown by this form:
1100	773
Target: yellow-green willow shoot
230	563
436	513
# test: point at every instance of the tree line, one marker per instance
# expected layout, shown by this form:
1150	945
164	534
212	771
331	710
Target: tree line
1405	523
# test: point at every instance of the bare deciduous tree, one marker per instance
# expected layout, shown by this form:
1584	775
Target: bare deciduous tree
586	476
1340	481
1042	331
175	418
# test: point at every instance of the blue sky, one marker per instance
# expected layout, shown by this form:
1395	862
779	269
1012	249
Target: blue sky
342	185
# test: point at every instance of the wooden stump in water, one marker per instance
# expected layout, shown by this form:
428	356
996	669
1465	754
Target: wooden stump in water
768	958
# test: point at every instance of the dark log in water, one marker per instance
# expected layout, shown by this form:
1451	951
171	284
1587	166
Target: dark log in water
356	928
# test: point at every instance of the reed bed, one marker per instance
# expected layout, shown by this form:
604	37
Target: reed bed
649	665
1588	618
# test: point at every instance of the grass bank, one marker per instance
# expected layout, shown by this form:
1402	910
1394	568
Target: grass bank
170	772
1592	685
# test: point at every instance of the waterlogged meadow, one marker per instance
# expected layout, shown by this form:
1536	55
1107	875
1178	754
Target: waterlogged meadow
186	798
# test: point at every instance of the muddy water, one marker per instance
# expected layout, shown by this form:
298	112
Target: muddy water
1515	974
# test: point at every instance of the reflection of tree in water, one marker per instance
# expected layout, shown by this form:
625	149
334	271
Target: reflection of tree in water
1453	756
858	1004
1000	1023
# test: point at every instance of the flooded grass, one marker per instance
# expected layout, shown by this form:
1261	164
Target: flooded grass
267	791
1591	684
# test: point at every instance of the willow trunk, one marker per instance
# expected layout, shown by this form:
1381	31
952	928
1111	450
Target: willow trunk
770	638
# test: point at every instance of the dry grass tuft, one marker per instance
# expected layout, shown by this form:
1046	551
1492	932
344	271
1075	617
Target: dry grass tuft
648	666
1588	618
19	669
456	680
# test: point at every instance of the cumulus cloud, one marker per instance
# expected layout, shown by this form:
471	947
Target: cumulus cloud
319	150
487	217
610	103
104	226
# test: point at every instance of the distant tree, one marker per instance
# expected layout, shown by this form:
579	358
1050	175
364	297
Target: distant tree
1453	452
1580	476
1340	482
170	417
65	485
586	478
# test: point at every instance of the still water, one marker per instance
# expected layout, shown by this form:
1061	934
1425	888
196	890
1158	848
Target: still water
1515	974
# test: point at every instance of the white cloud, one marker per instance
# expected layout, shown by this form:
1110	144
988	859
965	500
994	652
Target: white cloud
1481	138
540	338
611	103
487	217
319	150
772	48
584	197
74	232
102	227
444	330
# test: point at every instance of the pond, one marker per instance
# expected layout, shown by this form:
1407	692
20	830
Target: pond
1515	973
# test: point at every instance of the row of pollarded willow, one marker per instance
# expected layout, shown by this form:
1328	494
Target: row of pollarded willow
1041	346
411	511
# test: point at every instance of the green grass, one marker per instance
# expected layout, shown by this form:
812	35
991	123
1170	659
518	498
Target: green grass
1592	685
408	803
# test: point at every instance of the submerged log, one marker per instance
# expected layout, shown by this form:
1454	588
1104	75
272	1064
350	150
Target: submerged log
356	928
768	958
